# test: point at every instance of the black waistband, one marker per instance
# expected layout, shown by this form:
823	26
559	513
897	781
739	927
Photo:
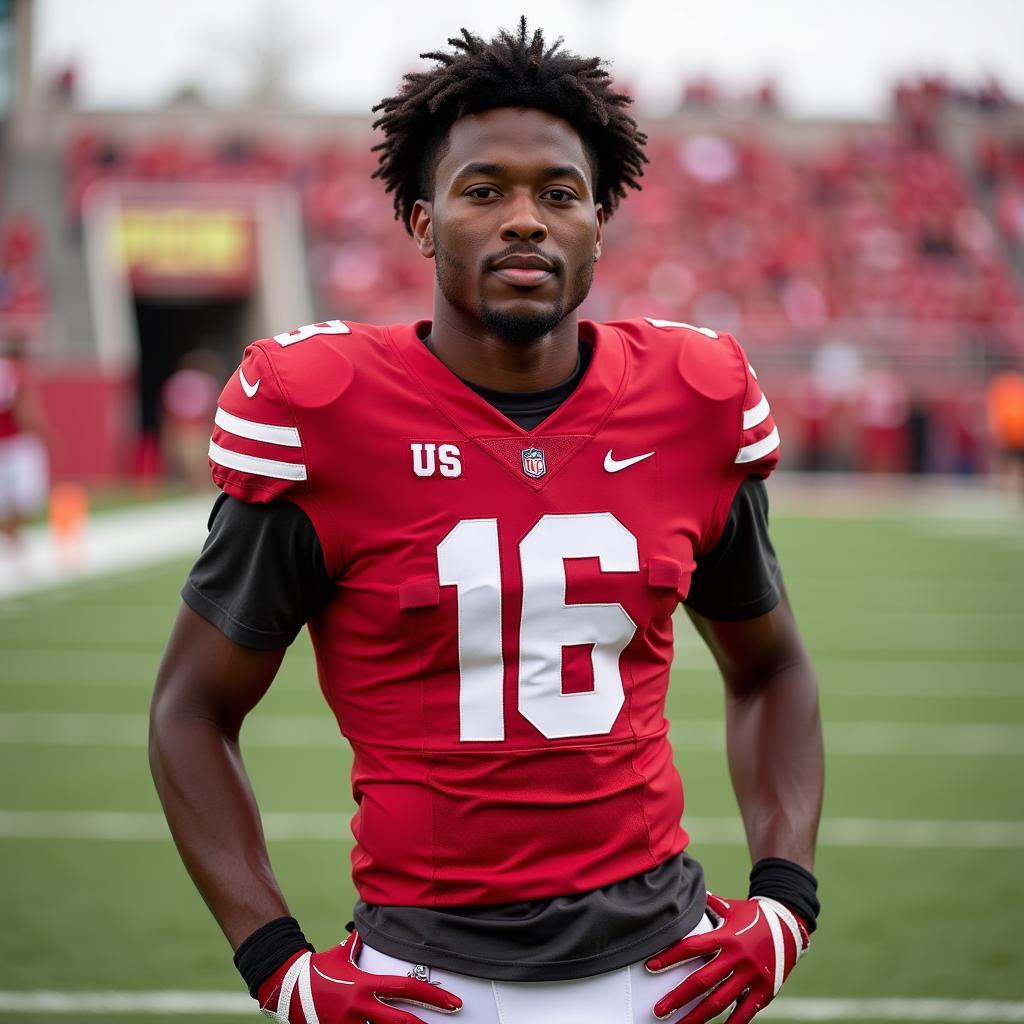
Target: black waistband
546	940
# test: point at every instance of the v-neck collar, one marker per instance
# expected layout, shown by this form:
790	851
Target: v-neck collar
580	414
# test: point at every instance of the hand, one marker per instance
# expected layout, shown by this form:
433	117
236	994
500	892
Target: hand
328	988
752	948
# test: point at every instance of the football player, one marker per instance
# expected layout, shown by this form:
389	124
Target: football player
25	436
487	519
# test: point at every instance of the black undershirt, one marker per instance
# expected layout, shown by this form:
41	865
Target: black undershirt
528	409
261	576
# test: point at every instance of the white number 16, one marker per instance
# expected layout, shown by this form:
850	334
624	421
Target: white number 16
468	559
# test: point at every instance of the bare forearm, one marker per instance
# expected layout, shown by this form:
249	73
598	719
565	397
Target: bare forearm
204	689
215	822
773	733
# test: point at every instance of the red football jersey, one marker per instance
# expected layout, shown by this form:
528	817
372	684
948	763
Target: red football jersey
498	648
12	382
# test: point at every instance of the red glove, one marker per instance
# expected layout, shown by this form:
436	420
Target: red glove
752	948
328	988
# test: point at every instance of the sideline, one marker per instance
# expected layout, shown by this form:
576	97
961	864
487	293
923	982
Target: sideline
112	542
226	1004
332	826
143	535
941	500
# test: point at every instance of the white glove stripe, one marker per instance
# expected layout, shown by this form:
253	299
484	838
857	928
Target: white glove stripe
789	920
780	950
306	993
288	986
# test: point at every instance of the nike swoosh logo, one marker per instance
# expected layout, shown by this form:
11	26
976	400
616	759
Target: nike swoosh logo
615	465
249	389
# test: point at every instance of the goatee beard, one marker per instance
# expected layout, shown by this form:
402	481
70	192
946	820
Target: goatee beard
521	329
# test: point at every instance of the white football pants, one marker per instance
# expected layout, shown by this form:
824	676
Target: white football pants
23	473
624	996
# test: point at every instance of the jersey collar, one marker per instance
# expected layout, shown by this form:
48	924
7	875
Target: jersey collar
581	413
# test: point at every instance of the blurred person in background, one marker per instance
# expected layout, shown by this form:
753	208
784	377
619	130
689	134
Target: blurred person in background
882	411
188	402
24	474
1005	405
487	521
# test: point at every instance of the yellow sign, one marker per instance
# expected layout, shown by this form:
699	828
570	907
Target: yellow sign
185	242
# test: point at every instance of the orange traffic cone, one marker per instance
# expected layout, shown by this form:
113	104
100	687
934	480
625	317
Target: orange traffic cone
69	510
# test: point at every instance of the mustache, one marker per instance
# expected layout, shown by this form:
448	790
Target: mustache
524	249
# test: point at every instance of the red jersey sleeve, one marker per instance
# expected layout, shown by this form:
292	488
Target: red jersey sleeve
758	451
273	438
756	448
256	451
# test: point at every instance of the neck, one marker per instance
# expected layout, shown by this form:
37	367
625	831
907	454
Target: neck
491	362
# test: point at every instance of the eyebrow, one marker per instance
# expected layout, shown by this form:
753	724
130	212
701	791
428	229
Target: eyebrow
498	170
565	171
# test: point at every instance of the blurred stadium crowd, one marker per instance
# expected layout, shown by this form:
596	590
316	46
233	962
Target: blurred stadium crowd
739	231
876	271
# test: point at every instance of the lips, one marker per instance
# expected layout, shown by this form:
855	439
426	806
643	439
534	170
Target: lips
523	270
522	277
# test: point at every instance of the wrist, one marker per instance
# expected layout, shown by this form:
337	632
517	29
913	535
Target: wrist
791	885
805	933
268	989
268	951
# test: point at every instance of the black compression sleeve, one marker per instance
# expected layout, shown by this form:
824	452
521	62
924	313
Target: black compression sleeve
266	949
788	883
739	577
261	575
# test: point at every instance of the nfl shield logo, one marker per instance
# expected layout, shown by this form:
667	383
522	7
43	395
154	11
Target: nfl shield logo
533	463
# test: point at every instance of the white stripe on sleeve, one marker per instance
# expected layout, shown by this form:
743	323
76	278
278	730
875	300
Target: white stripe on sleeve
260	467
757	450
787	917
751	417
287	436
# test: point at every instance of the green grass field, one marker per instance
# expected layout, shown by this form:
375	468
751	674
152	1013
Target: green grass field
917	629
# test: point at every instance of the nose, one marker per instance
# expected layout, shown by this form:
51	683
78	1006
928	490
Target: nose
523	222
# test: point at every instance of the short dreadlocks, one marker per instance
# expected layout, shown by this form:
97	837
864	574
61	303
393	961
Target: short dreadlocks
512	70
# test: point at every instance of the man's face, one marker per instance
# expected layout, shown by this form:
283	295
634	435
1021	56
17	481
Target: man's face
513	226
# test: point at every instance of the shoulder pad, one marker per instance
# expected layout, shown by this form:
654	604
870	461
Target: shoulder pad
719	370
311	364
711	362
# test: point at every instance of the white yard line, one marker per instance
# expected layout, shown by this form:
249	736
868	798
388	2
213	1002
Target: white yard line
319	732
89	667
217	1004
225	1004
953	1010
147	826
332	826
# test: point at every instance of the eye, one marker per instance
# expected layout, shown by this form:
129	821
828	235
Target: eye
560	195
482	192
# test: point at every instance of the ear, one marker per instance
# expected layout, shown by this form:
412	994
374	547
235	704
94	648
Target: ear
599	216
421	220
